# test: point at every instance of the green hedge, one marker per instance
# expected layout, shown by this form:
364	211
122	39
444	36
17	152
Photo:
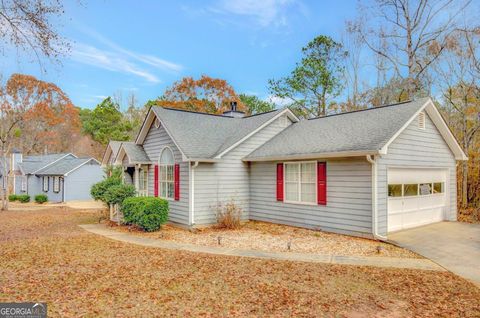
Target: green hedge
24	198
41	198
148	213
12	197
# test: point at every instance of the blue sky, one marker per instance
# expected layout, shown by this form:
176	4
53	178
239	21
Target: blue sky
145	46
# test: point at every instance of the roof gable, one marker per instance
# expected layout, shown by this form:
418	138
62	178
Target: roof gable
135	153
200	136
65	166
32	164
350	134
111	150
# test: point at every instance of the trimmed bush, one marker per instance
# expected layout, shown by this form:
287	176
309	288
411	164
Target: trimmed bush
12	197
41	198
99	189
24	198
116	194
148	213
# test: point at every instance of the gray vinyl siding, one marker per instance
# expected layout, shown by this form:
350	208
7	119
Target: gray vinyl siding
349	201
416	147
79	182
155	141
228	180
52	195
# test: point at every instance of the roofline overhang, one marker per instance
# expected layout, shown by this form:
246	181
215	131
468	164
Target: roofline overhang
339	154
51	163
287	111
439	123
147	123
208	160
82	164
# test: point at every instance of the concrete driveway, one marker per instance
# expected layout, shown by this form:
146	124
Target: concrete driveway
453	245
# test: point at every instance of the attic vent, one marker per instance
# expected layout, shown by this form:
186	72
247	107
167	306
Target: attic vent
421	120
157	123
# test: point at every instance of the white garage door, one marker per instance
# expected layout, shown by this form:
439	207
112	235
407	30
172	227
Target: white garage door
415	197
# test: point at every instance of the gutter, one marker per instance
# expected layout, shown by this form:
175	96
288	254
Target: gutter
192	192
373	161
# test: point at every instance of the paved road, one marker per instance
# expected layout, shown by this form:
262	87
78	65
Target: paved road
454	245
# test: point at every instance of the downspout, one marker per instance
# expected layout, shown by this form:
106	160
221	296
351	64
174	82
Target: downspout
373	161
192	192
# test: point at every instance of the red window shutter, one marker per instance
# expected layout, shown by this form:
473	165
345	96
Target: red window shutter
279	181
177	182
322	183
155	181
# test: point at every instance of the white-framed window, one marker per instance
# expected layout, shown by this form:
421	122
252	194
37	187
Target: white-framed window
415	189
166	174
143	181
157	123
23	186
301	182
56	184
45	184
421	120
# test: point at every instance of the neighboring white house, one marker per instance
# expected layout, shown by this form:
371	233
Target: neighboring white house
62	177
364	173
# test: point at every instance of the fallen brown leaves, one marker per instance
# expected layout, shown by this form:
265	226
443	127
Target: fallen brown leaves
44	256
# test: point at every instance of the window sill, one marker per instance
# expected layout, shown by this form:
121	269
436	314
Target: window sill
300	203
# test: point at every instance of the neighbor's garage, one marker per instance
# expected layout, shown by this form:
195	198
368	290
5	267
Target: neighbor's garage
415	197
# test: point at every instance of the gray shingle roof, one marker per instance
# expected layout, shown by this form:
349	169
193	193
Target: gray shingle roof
135	152
30	164
63	166
360	131
206	136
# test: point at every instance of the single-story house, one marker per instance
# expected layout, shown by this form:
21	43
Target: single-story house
62	177
363	173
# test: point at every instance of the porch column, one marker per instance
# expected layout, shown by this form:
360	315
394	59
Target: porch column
136	178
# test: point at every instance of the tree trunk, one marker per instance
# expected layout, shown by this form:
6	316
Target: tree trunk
465	163
464	184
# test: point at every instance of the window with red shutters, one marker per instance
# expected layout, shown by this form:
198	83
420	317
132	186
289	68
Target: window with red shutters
322	183
279	181
155	181
177	182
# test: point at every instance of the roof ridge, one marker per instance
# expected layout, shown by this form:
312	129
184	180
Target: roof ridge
362	110
193	112
267	112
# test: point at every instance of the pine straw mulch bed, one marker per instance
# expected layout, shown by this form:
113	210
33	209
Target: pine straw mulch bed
45	256
254	235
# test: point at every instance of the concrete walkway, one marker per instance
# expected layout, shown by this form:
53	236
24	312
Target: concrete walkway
413	263
454	245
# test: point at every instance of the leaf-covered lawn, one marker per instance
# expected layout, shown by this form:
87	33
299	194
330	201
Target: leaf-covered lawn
44	256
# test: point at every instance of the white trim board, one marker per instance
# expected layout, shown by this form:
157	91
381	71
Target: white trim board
287	111
87	161
442	127
146	127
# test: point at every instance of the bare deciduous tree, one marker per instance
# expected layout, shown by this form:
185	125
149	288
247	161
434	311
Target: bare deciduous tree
410	35
459	81
28	25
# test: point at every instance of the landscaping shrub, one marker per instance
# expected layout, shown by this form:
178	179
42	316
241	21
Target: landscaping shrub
116	194
41	198
229	215
99	189
24	198
12	197
148	213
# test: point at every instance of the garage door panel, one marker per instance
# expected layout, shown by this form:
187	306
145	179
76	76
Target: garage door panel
411	211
